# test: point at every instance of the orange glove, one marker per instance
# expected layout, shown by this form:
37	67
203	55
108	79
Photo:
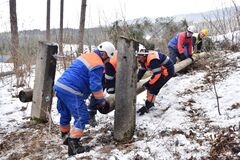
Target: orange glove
164	71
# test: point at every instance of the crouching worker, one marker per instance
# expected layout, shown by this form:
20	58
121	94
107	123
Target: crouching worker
181	45
109	80
162	70
197	40
81	79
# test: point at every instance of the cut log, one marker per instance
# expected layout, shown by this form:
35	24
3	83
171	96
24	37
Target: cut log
3	74
26	95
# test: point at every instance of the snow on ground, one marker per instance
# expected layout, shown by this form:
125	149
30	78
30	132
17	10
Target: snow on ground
5	67
229	36
183	124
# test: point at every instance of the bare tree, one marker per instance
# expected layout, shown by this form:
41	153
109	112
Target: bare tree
14	39
48	37
61	28
82	24
225	23
237	13
61	32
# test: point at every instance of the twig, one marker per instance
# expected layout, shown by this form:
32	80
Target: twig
217	97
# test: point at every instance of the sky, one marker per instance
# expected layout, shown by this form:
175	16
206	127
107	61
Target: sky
32	13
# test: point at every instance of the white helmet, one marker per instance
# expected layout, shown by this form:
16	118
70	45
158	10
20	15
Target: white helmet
191	29
142	50
141	47
107	47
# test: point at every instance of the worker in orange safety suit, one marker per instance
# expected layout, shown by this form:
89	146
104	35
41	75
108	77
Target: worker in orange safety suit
162	70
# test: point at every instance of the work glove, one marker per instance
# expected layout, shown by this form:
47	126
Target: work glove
103	107
182	56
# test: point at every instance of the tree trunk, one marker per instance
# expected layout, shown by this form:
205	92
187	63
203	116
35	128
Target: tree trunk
48	36
61	33
14	38
81	27
125	110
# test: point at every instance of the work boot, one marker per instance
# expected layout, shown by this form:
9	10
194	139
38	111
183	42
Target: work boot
149	104
145	109
65	136
92	121
74	147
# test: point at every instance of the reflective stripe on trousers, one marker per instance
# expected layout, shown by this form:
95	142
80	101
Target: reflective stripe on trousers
63	86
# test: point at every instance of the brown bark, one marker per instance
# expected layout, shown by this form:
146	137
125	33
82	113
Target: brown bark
48	36
61	33
82	25
14	34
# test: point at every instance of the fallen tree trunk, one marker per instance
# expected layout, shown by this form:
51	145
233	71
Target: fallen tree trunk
178	67
3	74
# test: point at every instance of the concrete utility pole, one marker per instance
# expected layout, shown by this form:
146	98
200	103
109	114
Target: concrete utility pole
125	110
44	80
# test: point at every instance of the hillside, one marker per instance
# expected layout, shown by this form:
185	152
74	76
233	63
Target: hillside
184	124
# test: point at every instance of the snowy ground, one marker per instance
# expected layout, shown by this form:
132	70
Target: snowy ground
184	124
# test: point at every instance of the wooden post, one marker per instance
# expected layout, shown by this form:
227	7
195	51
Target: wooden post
125	110
44	80
48	32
